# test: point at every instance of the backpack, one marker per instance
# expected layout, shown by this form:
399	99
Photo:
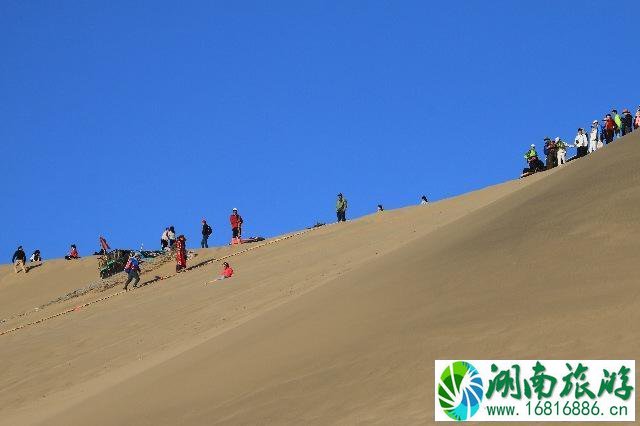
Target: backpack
208	230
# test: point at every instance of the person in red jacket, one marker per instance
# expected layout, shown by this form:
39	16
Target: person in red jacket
73	253
227	272
181	253
236	226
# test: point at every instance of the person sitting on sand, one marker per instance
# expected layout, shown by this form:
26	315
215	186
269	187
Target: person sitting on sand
73	253
35	257
132	268
181	253
19	258
424	200
227	272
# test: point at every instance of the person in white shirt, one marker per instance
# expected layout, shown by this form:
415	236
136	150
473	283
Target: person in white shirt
164	239
581	143
594	137
562	151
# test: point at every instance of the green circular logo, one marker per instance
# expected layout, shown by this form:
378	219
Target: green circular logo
460	390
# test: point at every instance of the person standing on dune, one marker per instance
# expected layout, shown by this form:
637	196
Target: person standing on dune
627	122
618	120
172	236
636	122
581	143
19	259
562	151
609	128
594	137
236	226
341	208
551	151
206	232
164	239
181	253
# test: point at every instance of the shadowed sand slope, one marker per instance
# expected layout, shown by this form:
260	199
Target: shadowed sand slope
342	325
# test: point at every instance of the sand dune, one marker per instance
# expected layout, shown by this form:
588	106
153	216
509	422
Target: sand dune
341	325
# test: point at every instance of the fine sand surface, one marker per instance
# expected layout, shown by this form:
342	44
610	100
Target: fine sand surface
341	325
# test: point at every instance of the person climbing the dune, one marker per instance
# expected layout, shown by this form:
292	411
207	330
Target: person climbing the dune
341	208
236	226
227	272
132	268
19	259
181	253
206	232
73	253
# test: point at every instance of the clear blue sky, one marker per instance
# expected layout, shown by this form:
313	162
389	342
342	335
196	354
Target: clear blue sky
124	117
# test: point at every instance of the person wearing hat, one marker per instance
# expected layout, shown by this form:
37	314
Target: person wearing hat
594	137
562	151
341	208
535	165
206	232
236	226
627	122
132	268
581	143
19	259
551	151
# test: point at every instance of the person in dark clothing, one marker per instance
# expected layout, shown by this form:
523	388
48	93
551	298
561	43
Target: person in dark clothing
206	232
627	122
341	208
36	257
132	268
19	259
551	151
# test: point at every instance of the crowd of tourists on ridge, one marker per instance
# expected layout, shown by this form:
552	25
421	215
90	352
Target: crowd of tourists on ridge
613	126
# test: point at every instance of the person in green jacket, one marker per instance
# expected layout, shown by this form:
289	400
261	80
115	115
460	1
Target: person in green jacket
341	208
618	121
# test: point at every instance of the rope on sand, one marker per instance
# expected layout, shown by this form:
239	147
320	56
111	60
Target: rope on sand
157	278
